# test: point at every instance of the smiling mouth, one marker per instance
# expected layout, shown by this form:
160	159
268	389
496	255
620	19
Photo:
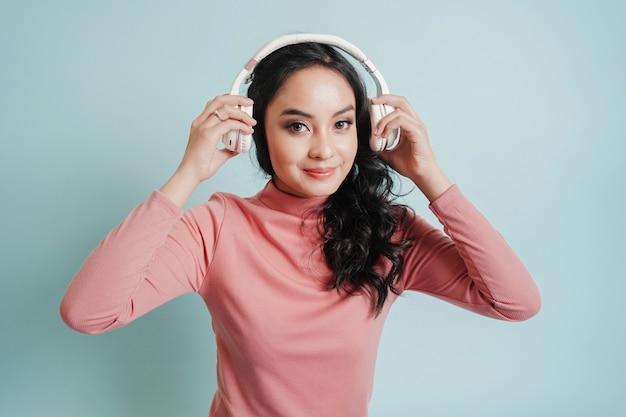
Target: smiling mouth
320	172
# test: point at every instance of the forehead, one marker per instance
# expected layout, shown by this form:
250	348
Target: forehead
315	84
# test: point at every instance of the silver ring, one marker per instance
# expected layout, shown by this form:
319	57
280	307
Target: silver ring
219	115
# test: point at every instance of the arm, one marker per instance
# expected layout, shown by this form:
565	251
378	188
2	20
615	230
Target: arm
153	256
156	254
202	158
471	265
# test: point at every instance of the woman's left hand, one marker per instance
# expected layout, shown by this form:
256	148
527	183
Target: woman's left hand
413	157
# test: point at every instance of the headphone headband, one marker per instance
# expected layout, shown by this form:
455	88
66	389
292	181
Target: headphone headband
356	53
239	142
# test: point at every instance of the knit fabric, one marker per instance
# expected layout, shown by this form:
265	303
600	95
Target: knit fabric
286	345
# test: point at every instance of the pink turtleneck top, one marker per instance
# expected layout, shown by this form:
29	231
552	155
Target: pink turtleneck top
286	346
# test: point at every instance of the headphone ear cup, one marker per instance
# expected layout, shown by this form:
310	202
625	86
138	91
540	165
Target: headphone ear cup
382	143
237	141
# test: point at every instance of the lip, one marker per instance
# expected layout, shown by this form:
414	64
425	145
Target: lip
320	173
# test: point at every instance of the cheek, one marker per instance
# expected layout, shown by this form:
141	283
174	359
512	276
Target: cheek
280	153
349	148
278	157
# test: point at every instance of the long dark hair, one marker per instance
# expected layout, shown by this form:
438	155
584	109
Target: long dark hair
359	220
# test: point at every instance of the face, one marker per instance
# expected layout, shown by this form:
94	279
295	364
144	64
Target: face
311	132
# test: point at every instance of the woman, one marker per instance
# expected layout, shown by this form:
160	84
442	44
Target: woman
299	278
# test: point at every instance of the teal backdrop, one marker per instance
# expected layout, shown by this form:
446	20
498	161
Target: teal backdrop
525	102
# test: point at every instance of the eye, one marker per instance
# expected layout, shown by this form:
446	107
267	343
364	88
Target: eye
296	126
343	124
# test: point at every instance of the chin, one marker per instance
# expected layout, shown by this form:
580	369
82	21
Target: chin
311	188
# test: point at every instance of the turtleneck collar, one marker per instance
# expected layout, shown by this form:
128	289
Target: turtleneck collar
279	200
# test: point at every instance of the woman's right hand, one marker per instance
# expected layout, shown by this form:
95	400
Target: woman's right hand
202	157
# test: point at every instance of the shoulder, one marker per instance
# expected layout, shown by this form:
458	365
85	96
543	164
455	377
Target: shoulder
223	204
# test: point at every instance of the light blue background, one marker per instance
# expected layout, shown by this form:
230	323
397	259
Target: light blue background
525	104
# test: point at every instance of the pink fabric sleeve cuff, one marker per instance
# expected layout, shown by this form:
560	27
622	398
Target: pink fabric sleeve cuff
158	198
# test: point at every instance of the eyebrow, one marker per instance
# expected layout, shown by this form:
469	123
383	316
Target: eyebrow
310	116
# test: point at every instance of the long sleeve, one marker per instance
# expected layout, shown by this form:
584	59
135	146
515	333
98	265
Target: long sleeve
471	265
156	254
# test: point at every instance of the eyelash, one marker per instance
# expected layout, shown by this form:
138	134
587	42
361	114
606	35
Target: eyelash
297	126
347	123
292	126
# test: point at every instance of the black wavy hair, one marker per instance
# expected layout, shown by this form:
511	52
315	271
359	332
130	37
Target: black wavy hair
359	220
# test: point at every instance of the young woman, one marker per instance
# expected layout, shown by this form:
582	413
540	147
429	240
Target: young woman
299	278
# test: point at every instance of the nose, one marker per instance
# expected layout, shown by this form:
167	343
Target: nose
322	145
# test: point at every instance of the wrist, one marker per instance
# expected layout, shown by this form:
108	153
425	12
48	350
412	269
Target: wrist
180	187
432	184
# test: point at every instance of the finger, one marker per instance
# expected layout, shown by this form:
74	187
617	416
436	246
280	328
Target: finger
395	101
388	122
213	127
235	113
225	101
234	100
222	128
220	115
408	125
223	155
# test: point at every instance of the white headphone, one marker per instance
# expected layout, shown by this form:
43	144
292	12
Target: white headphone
240	142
